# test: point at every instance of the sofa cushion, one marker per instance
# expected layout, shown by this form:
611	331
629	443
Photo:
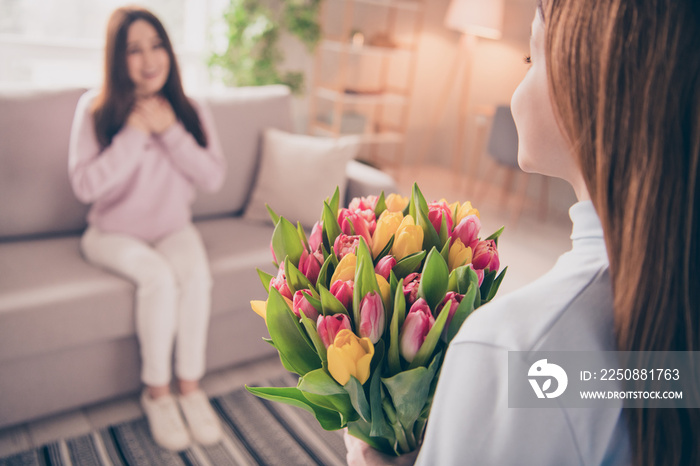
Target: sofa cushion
51	299
35	194
241	115
297	172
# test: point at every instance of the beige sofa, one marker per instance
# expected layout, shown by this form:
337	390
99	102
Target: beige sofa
67	334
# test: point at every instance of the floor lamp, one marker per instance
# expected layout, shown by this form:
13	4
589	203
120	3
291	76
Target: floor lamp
473	18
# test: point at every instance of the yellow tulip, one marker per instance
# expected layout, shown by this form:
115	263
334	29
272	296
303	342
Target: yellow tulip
384	290
387	224
260	307
464	210
408	239
350	355
395	203
459	255
346	268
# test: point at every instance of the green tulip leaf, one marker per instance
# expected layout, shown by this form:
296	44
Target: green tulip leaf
409	391
425	353
329	420
358	398
417	202
331	227
265	278
285	242
434	279
294	346
330	304
419	211
385	251
339	403
380	206
496	235
334	202
460	278
465	308
393	357
275	218
408	264
445	251
302	236
320	382
269	342
496	285
486	285
310	328
379	428
365	278
326	272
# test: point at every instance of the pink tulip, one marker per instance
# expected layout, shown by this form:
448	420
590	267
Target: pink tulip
436	212
353	224
280	283
316	237
329	326
363	203
310	265
343	290
486	256
479	274
372	317
416	326
468	231
384	266
370	218
410	288
345	245
301	304
454	299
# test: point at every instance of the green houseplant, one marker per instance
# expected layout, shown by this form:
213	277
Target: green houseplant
252	57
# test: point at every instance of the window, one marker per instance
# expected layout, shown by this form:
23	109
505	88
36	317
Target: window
59	43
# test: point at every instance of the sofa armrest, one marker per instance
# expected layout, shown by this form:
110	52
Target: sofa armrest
365	180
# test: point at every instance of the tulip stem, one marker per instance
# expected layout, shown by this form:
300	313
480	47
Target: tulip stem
400	433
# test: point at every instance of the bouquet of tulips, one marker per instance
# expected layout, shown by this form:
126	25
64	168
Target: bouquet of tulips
364	307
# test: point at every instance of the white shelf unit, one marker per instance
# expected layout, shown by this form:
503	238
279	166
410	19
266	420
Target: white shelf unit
340	97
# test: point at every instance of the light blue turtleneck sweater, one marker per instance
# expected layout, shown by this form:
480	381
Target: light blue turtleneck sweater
568	309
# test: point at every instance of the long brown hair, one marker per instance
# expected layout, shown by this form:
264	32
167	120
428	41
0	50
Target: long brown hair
625	79
116	99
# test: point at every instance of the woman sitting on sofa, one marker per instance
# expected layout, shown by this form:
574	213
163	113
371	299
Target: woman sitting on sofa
139	148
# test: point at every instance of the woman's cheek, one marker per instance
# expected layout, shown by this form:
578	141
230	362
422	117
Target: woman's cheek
520	107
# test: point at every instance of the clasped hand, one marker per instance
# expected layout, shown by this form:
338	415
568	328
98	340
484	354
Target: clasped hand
152	114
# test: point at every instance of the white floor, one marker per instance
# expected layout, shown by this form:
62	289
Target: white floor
529	248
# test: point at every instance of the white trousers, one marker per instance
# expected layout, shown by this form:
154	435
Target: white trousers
173	298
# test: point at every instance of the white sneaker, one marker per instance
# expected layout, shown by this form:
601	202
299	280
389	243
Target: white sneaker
200	416
167	427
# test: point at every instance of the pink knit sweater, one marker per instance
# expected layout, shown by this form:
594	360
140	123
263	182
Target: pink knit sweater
142	185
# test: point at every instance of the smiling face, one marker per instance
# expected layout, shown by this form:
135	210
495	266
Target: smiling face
147	60
542	147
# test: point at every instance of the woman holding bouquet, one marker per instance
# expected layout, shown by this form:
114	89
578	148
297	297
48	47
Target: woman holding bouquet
139	148
611	104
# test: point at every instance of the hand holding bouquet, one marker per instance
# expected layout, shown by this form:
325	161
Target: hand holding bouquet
364	308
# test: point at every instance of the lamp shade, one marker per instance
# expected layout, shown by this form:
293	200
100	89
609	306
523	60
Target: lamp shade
479	17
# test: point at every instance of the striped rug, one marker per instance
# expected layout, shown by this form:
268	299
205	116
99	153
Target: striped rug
255	432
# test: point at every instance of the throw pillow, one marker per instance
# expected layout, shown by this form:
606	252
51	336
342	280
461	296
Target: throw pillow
297	173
